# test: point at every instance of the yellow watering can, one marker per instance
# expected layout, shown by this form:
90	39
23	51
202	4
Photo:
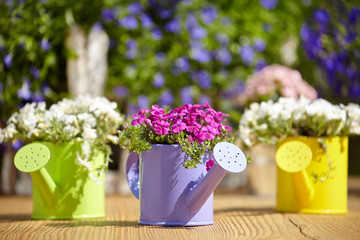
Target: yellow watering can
310	179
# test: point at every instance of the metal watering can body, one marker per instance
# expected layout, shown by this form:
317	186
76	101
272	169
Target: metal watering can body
61	187
298	159
169	193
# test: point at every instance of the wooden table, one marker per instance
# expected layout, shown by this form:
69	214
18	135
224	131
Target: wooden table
237	216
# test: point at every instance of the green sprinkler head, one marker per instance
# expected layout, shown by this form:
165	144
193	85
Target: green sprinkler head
32	157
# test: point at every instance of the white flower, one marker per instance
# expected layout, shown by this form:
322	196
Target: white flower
2	135
87	118
70	119
89	134
13	118
263	127
10	131
83	162
245	135
113	139
271	121
353	111
92	176
86	149
69	129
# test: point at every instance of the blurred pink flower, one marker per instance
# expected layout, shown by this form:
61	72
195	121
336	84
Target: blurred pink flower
276	79
209	164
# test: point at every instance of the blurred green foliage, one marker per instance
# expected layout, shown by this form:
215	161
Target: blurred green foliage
32	50
165	52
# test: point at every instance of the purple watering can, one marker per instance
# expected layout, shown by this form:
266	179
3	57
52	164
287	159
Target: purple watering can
172	195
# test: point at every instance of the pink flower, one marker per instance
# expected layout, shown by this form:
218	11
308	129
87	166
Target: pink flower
209	164
205	134
195	127
190	129
207	106
212	130
276	79
199	122
209	119
178	126
161	127
140	117
156	111
228	128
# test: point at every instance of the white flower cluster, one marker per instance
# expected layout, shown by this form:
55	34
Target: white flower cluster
354	116
270	122
89	120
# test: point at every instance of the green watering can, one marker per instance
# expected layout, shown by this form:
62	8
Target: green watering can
61	187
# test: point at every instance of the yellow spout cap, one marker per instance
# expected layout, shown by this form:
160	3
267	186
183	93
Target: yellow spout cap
293	156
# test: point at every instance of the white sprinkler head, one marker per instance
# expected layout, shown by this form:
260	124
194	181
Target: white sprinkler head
229	157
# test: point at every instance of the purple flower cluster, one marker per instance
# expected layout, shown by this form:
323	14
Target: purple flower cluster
338	56
135	12
199	53
131	51
156	34
173	26
198	122
194	28
26	94
247	52
186	95
45	45
121	91
269	4
158	81
166	98
8	60
108	14
208	15
203	78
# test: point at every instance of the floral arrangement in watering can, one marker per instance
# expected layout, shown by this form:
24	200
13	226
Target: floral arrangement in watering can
178	158
312	149
272	121
197	128
66	154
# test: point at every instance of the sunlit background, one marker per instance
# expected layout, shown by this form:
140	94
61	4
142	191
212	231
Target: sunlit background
228	53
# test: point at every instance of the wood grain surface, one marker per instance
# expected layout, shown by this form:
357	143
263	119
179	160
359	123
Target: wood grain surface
237	216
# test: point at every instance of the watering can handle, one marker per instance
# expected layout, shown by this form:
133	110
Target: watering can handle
132	173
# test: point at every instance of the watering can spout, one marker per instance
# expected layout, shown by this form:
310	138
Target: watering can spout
293	157
228	158
32	159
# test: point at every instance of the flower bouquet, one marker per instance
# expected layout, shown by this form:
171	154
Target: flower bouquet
270	122
312	150
196	128
66	154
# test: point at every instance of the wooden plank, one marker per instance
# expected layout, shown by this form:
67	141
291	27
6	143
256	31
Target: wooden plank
318	226
236	217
